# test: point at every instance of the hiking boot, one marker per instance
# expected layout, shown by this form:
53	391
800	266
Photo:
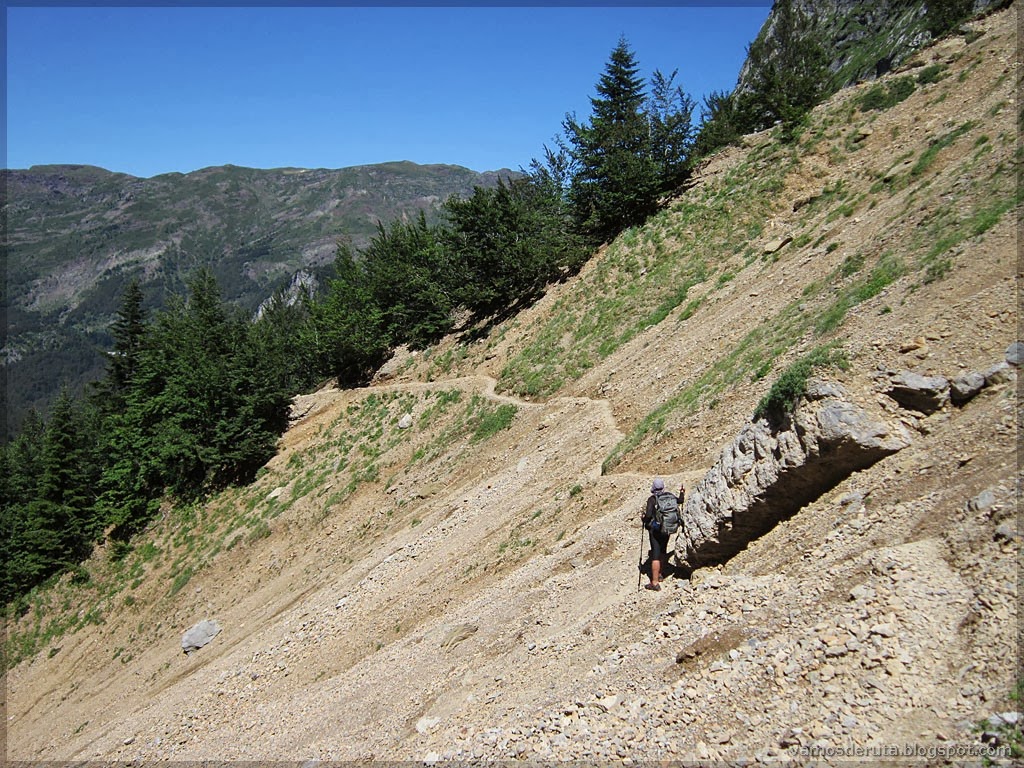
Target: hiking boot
653	587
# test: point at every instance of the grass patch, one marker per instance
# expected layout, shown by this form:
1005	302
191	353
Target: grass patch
928	156
647	273
937	261
888	269
492	420
933	73
882	96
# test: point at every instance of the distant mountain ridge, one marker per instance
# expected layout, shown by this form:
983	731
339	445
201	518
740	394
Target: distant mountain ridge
77	234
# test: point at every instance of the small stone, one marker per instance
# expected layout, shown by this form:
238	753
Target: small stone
199	635
885	630
405	422
983	502
1003	719
998	374
925	394
862	592
1014	352
426	724
1006	532
791	737
777	244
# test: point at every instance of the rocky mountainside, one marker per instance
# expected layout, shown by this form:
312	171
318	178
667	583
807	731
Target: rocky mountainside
864	39
443	565
76	235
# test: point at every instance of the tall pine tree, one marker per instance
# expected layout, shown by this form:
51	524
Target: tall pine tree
670	116
615	182
633	148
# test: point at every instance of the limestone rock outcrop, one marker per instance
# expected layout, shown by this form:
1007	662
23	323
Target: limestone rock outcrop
769	472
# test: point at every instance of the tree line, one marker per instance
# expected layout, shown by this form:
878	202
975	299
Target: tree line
195	397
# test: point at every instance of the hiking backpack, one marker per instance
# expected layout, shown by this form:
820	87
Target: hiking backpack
666	512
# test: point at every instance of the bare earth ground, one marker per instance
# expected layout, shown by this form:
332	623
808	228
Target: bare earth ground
499	618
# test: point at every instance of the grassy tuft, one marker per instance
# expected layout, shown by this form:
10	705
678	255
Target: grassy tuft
792	384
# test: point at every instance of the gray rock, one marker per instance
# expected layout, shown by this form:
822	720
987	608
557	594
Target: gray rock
777	244
405	422
1001	373
1014	352
964	387
1006	532
983	502
885	630
768	472
199	635
818	389
925	394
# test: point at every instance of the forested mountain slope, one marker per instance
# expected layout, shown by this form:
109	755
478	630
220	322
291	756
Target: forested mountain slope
77	235
442	565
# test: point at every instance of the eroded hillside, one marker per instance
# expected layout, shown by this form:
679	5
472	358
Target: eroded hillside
443	565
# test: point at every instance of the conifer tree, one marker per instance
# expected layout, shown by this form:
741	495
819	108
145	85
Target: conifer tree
719	124
508	241
670	116
945	15
634	147
615	181
128	331
347	327
411	280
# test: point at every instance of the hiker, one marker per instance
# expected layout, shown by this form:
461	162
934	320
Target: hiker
661	519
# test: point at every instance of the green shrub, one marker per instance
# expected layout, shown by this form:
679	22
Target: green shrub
888	269
492	420
851	265
883	96
931	74
929	155
792	384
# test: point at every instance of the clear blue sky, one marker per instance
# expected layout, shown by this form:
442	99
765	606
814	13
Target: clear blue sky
151	90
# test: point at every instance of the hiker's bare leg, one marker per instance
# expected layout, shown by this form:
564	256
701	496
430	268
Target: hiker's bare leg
655	571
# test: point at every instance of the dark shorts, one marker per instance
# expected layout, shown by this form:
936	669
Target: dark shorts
659	544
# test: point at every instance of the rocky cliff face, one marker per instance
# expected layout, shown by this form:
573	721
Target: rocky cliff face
865	39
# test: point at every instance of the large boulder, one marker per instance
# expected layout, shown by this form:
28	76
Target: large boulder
199	635
966	386
1014	353
769	472
926	394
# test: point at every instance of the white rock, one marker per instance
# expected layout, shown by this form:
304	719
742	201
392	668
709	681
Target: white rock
426	724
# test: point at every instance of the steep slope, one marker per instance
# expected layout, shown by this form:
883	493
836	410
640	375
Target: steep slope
461	583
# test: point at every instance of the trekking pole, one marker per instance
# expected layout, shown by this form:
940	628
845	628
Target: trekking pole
640	564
